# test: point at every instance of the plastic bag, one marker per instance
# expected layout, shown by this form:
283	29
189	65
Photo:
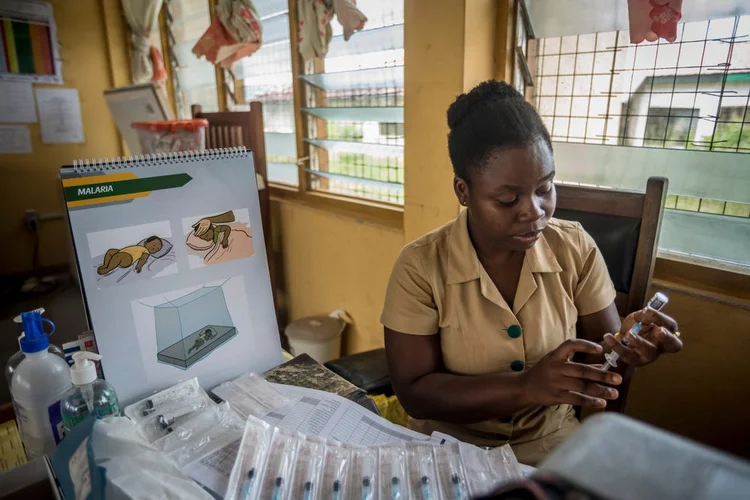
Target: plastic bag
423	475
308	473
393	474
156	415
203	433
250	462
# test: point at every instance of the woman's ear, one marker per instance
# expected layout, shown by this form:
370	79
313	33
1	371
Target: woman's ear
462	190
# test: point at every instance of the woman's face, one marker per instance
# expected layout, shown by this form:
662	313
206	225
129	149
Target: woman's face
512	198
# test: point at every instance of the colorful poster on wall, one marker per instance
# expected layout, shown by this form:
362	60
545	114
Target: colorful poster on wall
28	42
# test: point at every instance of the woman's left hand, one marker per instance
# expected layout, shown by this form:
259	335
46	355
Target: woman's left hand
658	335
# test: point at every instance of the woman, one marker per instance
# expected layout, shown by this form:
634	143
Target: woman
483	315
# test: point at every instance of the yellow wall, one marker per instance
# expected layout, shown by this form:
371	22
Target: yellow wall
331	262
704	391
30	180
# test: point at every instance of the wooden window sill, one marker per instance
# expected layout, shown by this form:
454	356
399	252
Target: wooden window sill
383	214
704	275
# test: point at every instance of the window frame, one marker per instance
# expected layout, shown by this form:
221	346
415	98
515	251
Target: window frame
385	214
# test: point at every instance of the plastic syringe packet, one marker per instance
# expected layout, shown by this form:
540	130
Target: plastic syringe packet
423	477
157	414
338	462
251	461
250	394
365	473
451	474
204	432
485	469
275	481
308	472
393	474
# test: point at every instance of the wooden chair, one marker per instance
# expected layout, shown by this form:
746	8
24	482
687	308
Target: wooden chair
625	226
245	128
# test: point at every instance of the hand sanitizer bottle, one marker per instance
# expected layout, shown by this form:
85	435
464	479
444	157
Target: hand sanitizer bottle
19	356
89	395
39	382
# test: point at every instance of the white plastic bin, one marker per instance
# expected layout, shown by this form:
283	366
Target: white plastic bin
318	336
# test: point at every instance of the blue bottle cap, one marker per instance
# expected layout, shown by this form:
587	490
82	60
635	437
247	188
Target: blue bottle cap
34	338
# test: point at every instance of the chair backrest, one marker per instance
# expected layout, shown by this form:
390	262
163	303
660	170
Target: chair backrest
229	129
625	226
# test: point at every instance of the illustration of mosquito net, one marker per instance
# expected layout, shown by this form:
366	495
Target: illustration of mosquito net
192	326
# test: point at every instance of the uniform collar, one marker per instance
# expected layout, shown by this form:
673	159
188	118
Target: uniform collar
463	262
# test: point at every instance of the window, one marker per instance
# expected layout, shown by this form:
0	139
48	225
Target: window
266	76
599	89
670	128
194	79
353	107
692	95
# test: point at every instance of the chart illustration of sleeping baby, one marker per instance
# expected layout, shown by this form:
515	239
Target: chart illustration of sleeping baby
148	256
220	238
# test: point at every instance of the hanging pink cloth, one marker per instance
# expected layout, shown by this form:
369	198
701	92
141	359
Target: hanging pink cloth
654	19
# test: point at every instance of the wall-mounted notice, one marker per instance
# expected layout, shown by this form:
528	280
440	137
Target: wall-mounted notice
17	103
15	139
60	115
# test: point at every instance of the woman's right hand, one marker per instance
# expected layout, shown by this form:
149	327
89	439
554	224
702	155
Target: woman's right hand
555	379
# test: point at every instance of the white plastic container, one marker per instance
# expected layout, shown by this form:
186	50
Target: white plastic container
89	394
318	336
39	383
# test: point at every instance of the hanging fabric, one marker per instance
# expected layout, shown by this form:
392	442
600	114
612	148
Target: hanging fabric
141	16
314	27
654	19
234	33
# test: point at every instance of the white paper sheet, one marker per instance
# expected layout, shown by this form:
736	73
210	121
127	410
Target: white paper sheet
17	102
213	471
15	139
60	115
331	416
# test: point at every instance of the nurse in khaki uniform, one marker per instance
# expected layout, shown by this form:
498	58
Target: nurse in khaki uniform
484	315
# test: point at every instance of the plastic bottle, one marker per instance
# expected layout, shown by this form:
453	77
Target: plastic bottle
16	359
38	384
89	394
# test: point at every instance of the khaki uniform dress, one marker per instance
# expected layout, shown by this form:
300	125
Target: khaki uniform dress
439	286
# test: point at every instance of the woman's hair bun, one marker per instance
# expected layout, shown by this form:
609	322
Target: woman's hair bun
491	90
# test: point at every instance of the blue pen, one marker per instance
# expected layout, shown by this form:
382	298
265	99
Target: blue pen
336	490
277	489
249	483
457	486
426	493
395	488
366	488
308	490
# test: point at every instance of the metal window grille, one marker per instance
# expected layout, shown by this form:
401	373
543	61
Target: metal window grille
693	93
194	79
353	107
266	76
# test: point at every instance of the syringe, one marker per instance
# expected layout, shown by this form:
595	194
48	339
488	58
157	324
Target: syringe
657	303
